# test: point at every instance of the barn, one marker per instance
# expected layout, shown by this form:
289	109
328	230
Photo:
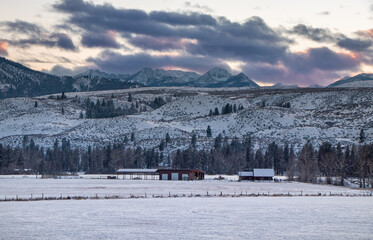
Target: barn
258	174
181	174
161	174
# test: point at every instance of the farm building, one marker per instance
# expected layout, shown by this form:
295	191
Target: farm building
133	173
181	174
161	174
258	174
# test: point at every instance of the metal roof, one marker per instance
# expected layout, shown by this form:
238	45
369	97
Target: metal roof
245	174
136	170
263	172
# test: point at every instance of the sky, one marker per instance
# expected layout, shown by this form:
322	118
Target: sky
287	41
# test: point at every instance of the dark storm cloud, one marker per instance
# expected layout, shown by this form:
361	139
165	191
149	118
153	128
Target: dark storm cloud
218	37
355	44
106	40
316	34
117	63
22	27
34	34
327	36
322	59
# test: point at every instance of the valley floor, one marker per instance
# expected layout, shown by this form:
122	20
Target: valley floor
187	218
24	187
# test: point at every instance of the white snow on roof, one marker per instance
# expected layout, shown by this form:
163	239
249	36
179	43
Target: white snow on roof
136	170
245	174
263	172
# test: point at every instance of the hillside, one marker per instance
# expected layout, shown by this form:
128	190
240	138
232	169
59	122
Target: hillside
359	81
286	116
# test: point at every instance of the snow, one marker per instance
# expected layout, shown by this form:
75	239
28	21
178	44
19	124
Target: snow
24	187
188	218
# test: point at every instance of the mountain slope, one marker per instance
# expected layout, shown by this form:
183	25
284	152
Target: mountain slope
360	80
239	80
160	77
17	80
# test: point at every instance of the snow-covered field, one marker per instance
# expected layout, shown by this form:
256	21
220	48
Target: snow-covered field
24	187
188	218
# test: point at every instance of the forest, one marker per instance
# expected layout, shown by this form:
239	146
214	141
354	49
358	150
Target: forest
226	156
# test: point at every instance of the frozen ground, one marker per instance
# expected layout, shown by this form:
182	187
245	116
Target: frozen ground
24	187
188	218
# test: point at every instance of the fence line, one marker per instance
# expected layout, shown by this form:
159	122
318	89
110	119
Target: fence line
41	197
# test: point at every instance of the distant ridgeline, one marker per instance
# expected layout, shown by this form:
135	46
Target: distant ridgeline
17	80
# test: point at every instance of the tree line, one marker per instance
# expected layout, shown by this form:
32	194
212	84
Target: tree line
226	156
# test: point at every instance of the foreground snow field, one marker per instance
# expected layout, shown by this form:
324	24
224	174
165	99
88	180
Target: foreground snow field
24	187
187	218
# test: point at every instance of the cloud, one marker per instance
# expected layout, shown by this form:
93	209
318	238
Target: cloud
28	34
355	44
316	34
158	43
118	63
198	6
315	66
22	27
106	40
3	49
210	36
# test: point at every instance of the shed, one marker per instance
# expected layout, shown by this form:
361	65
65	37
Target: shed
259	174
181	174
137	173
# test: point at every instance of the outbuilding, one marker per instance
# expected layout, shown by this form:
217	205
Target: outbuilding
258	174
181	174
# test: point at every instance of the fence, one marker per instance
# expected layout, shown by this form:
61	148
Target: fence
42	196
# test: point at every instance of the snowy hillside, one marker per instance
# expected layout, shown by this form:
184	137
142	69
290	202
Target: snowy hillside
286	116
359	81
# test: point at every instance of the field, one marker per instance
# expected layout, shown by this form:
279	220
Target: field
206	217
186	218
24	187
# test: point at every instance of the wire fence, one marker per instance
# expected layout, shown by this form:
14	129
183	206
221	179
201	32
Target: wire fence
43	197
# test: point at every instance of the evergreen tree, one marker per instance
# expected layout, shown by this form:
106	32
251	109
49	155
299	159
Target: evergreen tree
62	110
194	140
218	141
216	112
36	104
208	131
168	138
362	136
133	136
161	145
129	99
81	116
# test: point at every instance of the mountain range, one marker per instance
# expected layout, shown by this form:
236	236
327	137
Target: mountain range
17	80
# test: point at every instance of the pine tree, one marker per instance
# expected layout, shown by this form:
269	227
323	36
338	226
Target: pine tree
161	145
36	104
132	136
194	140
62	110
168	138
216	112
208	131
362	136
81	116
130	99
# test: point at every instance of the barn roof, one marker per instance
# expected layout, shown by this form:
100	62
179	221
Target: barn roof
263	172
245	174
136	170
